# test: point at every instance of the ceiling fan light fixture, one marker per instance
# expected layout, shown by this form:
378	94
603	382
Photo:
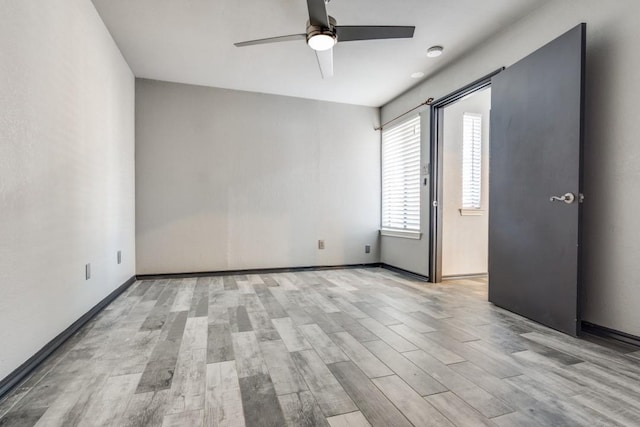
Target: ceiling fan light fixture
321	41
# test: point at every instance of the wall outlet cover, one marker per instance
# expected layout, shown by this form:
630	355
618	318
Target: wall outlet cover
320	244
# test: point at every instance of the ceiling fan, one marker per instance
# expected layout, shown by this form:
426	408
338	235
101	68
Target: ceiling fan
323	33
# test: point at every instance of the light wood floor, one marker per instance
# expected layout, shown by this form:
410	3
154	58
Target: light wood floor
341	348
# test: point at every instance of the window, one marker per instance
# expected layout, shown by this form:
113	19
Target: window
471	161
401	177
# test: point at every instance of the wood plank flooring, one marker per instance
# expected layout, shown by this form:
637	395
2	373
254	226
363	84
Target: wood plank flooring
353	347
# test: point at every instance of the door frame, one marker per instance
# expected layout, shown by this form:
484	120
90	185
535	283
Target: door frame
436	171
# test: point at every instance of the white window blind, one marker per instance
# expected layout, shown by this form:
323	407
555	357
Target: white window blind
401	176
471	161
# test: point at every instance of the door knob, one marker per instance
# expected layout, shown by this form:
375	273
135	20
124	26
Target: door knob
567	198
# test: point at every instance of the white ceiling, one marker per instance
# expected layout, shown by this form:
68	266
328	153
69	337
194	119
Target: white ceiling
191	41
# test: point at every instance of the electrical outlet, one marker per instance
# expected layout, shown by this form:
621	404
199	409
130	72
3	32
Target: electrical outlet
87	271
119	257
320	244
367	249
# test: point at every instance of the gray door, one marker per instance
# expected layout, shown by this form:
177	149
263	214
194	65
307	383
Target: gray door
535	154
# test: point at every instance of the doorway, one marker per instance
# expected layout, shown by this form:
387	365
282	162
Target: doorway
465	182
537	132
457	210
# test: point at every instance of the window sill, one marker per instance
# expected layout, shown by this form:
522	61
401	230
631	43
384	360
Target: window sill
403	234
471	212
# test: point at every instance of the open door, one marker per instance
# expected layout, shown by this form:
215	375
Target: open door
537	110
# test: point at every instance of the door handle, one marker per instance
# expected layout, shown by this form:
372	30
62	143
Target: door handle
568	198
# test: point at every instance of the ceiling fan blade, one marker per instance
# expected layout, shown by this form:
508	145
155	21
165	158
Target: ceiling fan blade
348	33
272	40
325	61
318	13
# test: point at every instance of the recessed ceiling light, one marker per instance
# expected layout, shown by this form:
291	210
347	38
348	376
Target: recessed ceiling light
434	51
417	75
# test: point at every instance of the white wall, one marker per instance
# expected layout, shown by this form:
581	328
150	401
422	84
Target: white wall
231	180
465	238
612	170
66	170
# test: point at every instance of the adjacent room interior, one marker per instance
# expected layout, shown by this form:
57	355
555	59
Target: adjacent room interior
465	242
331	213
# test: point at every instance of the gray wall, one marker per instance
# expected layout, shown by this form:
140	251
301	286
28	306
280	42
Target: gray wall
611	244
465	238
66	170
235	180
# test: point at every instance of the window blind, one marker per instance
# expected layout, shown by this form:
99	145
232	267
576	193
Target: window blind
401	176
471	161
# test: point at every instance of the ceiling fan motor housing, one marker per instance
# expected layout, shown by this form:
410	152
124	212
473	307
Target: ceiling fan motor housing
317	30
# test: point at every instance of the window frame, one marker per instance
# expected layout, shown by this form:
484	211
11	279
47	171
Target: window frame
408	154
471	191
